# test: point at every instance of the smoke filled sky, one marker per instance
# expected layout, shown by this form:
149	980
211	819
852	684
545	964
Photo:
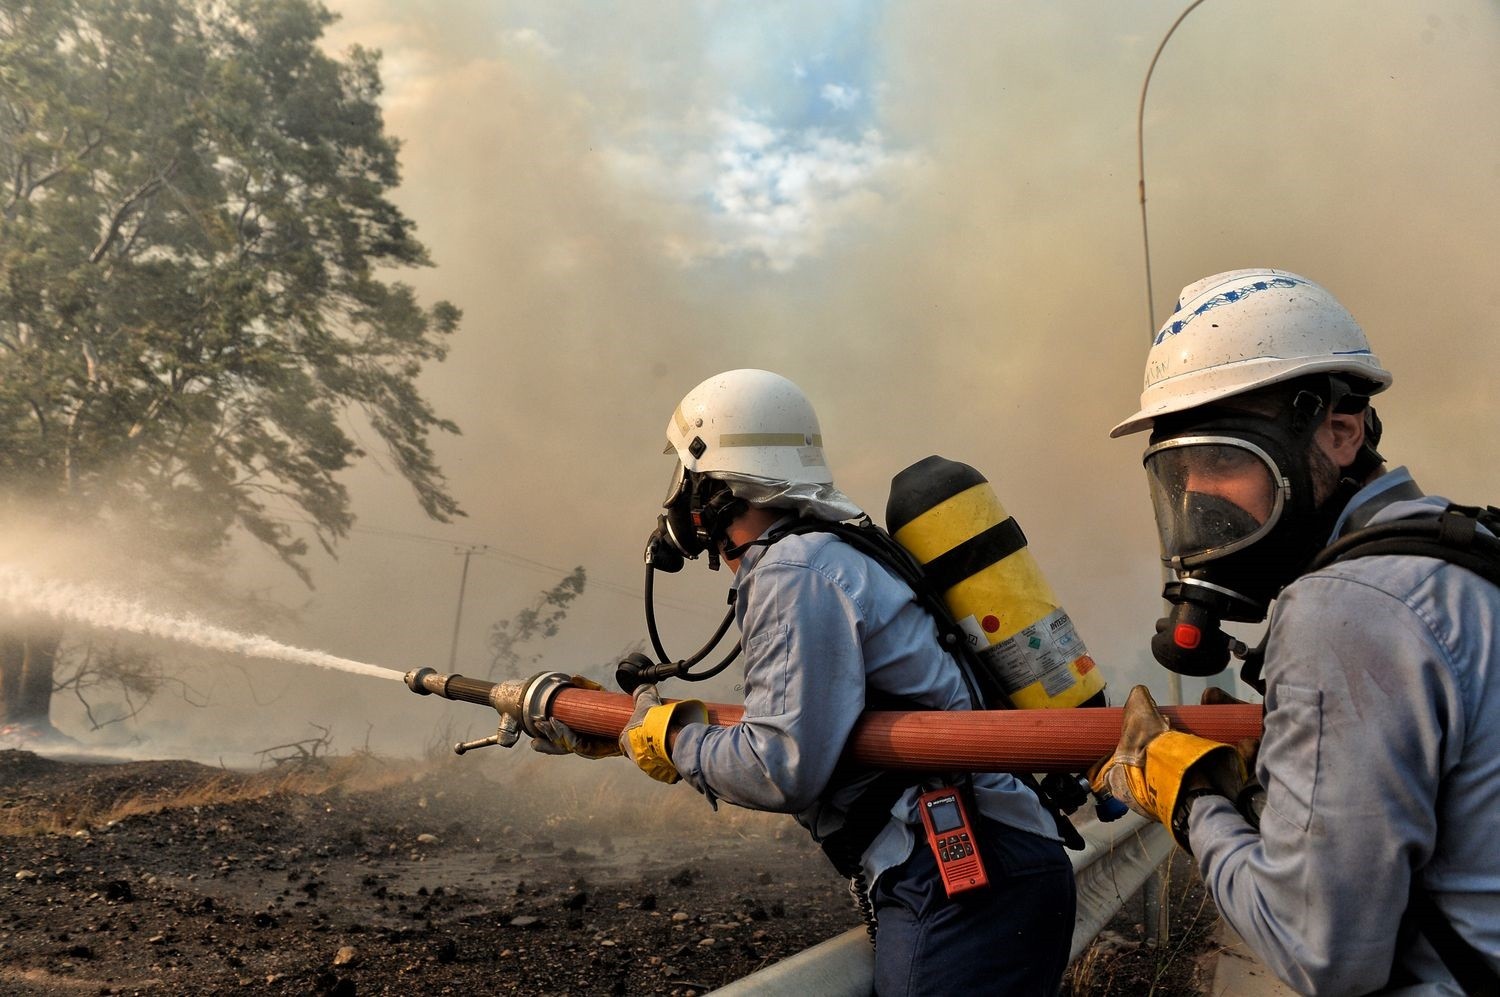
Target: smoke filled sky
925	215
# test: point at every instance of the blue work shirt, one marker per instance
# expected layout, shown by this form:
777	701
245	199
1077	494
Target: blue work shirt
819	622
1381	762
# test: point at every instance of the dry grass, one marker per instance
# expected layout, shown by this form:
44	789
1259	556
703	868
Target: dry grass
1119	964
616	795
96	805
608	795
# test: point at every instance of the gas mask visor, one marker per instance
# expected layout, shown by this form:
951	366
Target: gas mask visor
676	534
1212	495
677	486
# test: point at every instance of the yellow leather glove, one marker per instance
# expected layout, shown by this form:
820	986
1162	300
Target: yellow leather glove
1152	762
644	739
557	738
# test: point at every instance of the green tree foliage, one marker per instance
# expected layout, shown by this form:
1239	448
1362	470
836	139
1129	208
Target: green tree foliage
194	224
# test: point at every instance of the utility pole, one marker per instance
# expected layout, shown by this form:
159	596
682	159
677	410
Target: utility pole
463	581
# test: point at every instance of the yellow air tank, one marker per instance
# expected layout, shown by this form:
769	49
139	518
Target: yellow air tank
947	516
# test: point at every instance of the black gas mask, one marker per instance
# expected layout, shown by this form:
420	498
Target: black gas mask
698	512
1237	511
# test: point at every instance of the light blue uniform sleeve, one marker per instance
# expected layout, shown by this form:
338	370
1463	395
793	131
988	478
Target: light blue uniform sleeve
1362	715
804	690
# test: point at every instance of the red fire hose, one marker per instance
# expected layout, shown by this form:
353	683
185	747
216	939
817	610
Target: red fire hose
938	741
988	741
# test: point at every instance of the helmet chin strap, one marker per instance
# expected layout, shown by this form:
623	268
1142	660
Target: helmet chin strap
1368	458
714	518
697	519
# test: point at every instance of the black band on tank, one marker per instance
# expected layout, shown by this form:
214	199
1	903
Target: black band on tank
979	551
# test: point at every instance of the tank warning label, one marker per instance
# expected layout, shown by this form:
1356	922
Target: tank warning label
973	630
1041	652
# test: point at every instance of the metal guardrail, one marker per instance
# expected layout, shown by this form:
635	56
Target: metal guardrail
1117	859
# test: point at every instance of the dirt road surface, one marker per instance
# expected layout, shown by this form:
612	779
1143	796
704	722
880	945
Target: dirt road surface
352	878
357	876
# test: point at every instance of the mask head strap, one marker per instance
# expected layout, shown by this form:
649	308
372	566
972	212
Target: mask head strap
699	510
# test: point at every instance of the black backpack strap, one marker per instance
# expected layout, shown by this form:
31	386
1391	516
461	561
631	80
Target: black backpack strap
1471	970
1454	536
866	817
875	543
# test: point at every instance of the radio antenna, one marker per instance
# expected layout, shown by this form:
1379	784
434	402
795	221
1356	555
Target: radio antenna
1140	153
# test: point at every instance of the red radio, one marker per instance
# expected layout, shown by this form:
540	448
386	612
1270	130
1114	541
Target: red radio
954	842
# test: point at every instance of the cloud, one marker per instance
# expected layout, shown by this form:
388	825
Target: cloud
533	41
773	196
839	96
780	193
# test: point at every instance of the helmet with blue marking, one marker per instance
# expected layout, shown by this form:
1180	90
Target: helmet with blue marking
1242	330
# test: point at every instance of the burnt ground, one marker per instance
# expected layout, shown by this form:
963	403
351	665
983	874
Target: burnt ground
356	876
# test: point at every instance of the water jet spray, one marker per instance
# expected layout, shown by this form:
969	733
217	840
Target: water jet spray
22	592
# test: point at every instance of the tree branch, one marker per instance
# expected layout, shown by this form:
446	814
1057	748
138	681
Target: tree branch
41	417
56	167
117	219
305	750
150	413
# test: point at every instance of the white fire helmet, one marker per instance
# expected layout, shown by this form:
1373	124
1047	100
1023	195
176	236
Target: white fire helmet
750	422
1238	331
757	431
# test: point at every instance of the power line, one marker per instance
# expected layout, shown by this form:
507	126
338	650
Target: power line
513	559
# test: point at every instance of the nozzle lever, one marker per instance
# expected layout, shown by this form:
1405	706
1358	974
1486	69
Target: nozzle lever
505	735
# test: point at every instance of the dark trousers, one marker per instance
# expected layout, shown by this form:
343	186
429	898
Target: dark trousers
1010	938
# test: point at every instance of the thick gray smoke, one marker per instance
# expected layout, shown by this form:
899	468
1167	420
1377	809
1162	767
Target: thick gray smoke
926	216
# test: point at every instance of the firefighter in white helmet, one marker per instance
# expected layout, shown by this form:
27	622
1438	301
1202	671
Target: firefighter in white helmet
828	631
1356	854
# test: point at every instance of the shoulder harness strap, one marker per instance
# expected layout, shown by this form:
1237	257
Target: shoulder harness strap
867	538
1454	535
1468	967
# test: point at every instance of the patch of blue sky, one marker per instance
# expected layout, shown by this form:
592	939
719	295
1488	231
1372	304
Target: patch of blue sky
762	118
798	155
798	66
802	66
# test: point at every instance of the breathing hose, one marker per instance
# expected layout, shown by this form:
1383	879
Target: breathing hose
637	668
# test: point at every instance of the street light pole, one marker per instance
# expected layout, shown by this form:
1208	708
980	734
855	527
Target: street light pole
1174	681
